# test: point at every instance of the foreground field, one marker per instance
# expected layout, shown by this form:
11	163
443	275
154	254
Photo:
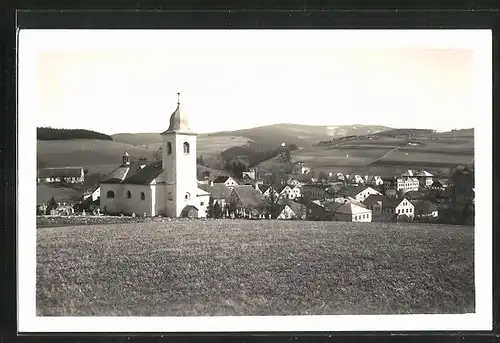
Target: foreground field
254	268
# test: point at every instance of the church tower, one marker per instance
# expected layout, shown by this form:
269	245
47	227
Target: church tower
179	164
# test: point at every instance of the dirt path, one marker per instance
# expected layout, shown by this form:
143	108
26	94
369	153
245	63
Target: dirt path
384	155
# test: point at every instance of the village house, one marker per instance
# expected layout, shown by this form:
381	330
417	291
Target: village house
246	200
355	179
250	175
359	193
94	195
292	210
60	175
300	167
315	211
425	178
374	180
374	202
267	190
351	212
226	180
314	191
336	176
408	173
437	186
395	208
168	187
293	182
219	193
407	184
289	192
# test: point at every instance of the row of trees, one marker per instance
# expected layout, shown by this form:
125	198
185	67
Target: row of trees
51	134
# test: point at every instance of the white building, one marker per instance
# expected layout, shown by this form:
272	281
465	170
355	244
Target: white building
407	184
168	187
396	208
353	213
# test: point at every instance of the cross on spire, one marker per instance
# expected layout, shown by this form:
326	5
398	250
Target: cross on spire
178	98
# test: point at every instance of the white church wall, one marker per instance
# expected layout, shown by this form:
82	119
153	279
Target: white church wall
135	204
159	197
111	205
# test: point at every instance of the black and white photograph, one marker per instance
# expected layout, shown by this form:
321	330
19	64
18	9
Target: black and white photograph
254	180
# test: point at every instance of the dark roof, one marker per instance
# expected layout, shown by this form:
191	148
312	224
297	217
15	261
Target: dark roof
248	195
372	198
263	188
145	175
221	179
351	190
60	172
437	183
350	208
393	203
415	195
217	191
134	174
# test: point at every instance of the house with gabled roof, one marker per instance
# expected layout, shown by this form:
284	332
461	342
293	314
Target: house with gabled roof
437	186
396	208
352	212
292	210
424	177
226	180
168	187
374	202
246	198
219	192
374	180
357	192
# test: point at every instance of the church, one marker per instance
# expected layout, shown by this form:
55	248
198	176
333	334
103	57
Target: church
168	187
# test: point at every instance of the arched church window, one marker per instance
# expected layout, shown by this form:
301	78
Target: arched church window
129	195
169	148
110	194
143	196
170	196
187	196
186	147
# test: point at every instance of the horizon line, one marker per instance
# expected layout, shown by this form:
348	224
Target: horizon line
262	126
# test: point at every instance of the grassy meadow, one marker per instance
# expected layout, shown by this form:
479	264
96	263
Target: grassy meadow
193	268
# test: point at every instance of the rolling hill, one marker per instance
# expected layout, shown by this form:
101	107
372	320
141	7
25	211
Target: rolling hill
302	135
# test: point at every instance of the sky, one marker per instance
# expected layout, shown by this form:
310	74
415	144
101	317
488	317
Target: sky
115	82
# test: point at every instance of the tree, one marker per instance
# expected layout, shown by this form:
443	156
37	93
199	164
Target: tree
52	205
217	210
210	208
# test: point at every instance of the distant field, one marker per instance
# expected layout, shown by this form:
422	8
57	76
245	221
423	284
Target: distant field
316	157
209	145
427	157
86	152
254	268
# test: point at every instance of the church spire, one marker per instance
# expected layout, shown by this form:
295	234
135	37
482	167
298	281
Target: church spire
178	122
